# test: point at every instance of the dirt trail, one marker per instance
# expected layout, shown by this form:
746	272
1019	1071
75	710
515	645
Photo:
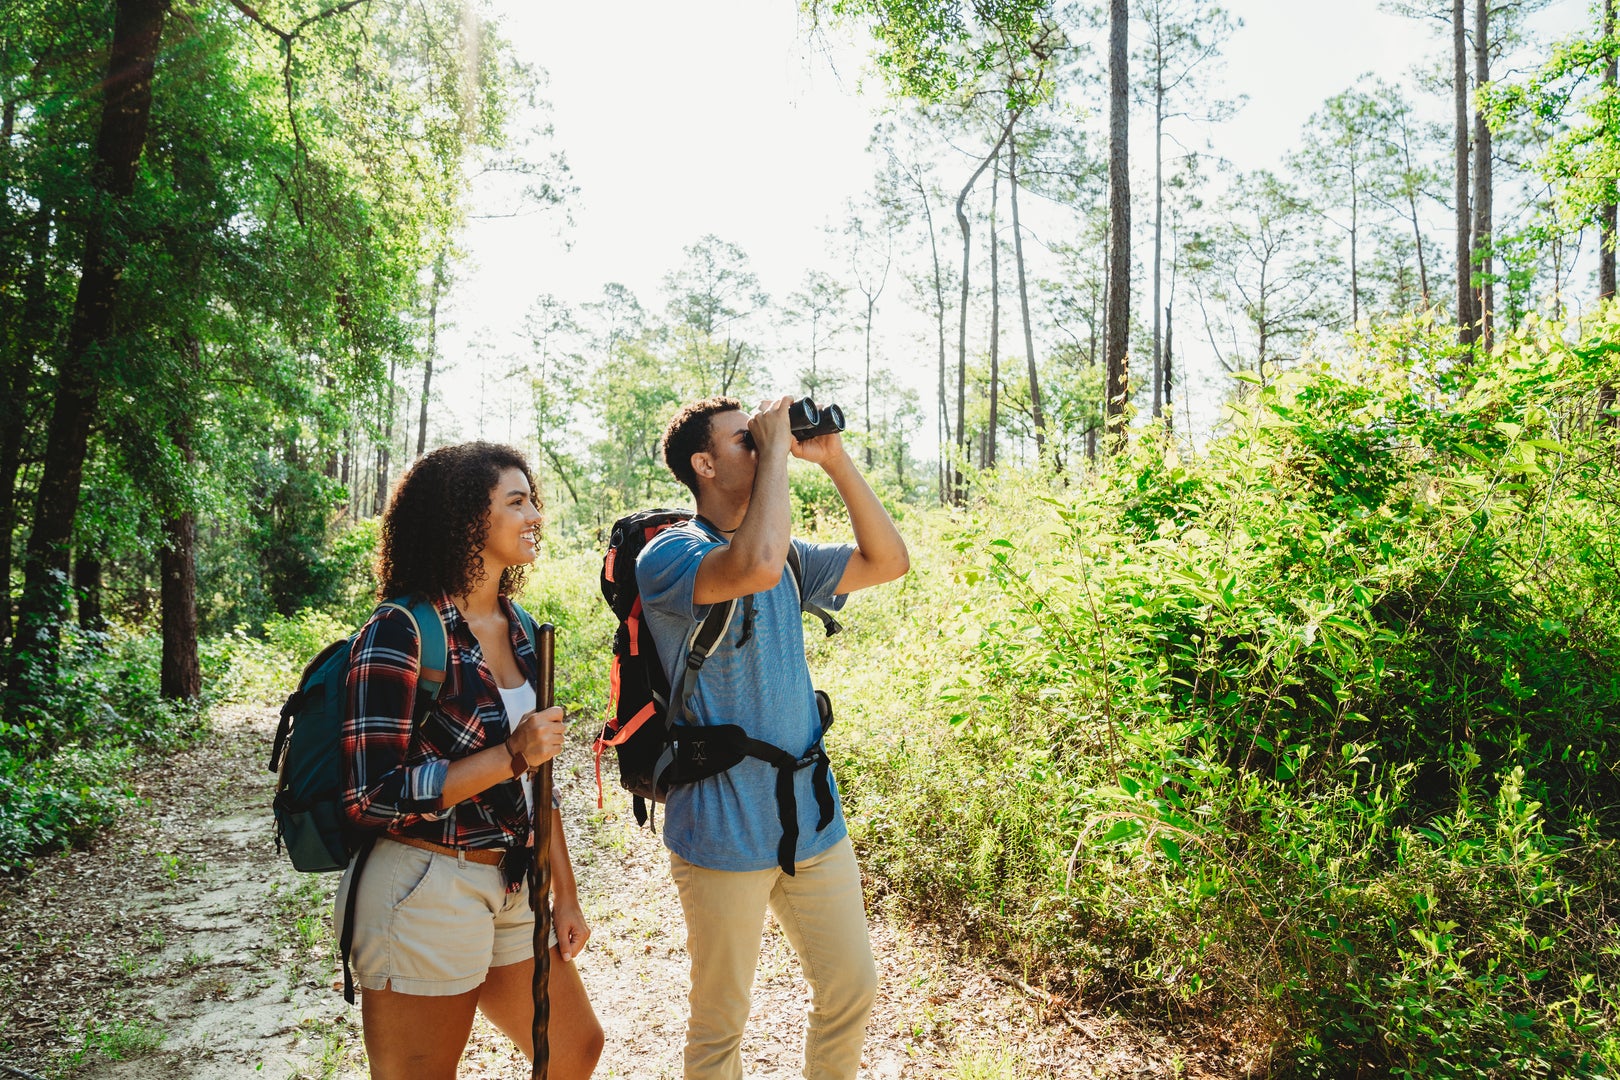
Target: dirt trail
182	947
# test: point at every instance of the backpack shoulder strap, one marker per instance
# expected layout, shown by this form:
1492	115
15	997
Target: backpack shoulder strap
530	631
705	637
795	563
434	656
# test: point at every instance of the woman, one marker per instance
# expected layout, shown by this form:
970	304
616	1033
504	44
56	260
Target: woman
443	924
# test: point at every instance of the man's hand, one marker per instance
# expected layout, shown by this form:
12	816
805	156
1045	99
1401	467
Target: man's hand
770	428
823	450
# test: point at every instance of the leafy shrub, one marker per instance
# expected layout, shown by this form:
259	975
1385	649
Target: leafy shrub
1318	725
57	801
563	589
61	752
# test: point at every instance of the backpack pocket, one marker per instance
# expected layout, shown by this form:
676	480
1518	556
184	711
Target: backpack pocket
309	832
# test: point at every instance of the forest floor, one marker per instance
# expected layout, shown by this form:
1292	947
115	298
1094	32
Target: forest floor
181	946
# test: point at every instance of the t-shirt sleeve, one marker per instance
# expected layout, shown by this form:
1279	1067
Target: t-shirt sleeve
824	566
666	573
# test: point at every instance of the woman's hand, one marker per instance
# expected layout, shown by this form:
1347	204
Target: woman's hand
539	735
572	930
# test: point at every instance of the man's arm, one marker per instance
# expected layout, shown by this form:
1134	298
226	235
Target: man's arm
880	552
753	561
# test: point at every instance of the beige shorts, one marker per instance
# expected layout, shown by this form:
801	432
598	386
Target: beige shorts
432	924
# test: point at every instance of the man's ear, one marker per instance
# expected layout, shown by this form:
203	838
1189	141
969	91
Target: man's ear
703	464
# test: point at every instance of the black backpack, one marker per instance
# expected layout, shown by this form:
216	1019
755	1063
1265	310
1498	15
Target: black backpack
656	738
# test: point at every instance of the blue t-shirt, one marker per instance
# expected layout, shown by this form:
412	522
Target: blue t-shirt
729	821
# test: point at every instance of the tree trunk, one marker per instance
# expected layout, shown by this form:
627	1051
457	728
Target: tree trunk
1417	236
958	494
385	446
1609	213
180	672
1606	260
11	440
943	428
87	588
987	453
432	352
1485	300
120	138
1169	369
1355	229
31	335
1023	300
1465	288
562	473
1118	319
871	306
1159	393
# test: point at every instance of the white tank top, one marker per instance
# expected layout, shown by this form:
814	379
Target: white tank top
519	702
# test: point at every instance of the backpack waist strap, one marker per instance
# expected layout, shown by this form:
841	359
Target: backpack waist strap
698	752
787	802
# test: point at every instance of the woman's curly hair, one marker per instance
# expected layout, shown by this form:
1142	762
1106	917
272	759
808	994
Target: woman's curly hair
438	519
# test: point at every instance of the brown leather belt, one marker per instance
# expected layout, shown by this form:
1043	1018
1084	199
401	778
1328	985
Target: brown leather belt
486	856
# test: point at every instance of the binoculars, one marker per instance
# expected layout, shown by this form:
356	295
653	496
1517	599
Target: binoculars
807	420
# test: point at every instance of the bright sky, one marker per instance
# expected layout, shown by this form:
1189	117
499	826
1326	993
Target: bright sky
720	116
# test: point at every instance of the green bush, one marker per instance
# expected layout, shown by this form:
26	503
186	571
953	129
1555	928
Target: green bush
62	752
1318	725
563	589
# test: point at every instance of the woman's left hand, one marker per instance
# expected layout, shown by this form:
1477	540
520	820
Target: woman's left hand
572	929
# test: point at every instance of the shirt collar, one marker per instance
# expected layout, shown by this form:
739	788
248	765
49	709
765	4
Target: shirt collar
449	613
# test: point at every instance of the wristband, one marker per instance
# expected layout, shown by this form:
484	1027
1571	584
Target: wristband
520	765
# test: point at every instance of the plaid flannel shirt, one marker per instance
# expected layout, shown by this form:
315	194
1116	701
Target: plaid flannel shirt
394	781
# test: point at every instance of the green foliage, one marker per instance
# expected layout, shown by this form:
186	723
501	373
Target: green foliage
63	751
57	801
1569	98
935	52
1319	726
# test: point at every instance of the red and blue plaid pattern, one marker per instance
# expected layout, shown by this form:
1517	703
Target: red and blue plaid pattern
394	782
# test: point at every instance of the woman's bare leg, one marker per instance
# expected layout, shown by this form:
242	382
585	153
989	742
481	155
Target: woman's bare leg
574	1034
413	1036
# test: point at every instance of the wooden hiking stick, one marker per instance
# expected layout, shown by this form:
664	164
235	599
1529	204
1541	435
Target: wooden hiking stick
540	880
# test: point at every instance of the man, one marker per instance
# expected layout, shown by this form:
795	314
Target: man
724	832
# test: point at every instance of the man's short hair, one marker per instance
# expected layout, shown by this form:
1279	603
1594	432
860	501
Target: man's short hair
691	433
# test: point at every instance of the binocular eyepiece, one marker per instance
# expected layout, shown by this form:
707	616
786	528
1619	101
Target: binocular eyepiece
807	420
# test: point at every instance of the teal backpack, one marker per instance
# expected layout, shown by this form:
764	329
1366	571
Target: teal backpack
307	755
307	758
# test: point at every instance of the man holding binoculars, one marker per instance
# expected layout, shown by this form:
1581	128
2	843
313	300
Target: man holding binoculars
723	832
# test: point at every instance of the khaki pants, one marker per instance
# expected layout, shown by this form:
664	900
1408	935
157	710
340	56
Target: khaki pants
821	911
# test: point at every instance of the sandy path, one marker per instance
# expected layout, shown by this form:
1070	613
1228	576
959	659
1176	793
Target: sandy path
181	947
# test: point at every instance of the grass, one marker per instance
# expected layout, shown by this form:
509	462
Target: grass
303	932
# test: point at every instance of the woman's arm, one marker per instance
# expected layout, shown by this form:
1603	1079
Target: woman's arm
539	738
567	918
379	788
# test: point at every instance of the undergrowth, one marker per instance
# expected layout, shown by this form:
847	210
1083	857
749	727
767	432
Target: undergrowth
1321	724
